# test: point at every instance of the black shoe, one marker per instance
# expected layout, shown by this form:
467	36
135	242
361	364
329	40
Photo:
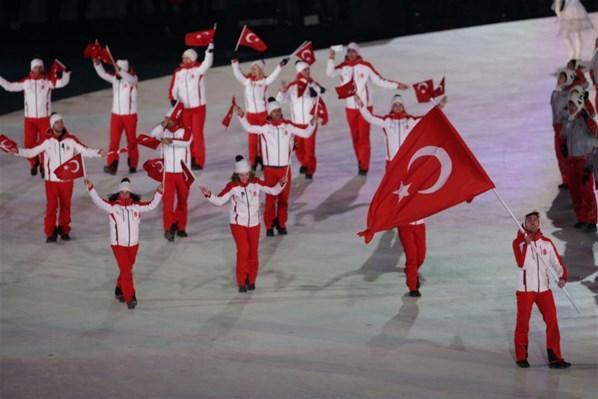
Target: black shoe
242	288
182	233
132	169
563	186
169	235
363	172
118	294
132	304
281	230
591	227
54	235
524	364
303	170
112	168
259	161
559	364
309	177
270	233
250	287
65	237
415	294
579	225
51	239
196	166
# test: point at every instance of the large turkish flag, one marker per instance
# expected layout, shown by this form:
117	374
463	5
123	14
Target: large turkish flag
71	169
432	171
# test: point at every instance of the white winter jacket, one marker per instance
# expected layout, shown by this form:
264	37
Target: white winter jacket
38	93
188	83
255	90
124	90
176	152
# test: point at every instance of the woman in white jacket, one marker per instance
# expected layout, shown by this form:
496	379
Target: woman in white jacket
124	209
244	193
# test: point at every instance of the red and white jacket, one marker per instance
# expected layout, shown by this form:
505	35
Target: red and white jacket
362	73
301	106
395	127
275	138
124	90
176	152
255	90
38	92
124	217
57	150
188	84
532	272
245	200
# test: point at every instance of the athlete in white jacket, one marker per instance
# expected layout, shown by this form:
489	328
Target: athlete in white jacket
243	192
362	73
188	86
124	214
58	147
37	87
124	112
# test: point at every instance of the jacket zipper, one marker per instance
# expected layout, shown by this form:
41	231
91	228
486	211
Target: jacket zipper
278	144
248	210
128	224
35	91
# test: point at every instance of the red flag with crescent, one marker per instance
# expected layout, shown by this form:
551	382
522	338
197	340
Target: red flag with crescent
148	141
71	169
432	171
95	50
200	38
154	168
346	90
306	53
229	114
6	144
424	90
249	39
320	111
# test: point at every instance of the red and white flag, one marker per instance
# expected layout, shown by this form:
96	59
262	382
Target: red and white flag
154	168
229	114
148	141
320	111
439	91
56	68
187	175
250	39
432	171
176	112
95	50
424	91
306	53
200	38
6	144
347	90
71	169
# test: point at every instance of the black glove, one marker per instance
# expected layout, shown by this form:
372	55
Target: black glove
312	92
284	61
172	103
564	151
322	90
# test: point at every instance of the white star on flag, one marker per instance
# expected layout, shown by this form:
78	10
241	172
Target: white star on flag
402	192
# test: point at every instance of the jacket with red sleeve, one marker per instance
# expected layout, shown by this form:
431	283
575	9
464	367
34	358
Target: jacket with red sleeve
38	92
532	272
275	138
245	200
301	105
57	150
177	151
255	89
124	217
188	84
362	73
124	90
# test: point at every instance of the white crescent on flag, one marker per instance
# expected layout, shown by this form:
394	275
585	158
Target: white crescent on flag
251	38
422	87
73	169
446	166
306	54
160	166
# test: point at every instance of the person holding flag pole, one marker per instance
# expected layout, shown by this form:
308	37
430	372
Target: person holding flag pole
58	147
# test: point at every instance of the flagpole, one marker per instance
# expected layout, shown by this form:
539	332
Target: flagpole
297	49
83	164
534	249
240	36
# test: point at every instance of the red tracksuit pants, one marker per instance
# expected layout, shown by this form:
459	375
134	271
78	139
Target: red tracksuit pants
174	183
247	240
360	134
125	259
196	118
305	150
128	123
558	143
545	303
582	193
277	207
254	139
35	129
413	240
58	199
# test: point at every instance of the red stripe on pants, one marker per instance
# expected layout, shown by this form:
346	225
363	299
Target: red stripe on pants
360	134
582	193
128	123
413	240
174	183
305	150
125	259
195	118
58	195
558	142
247	240
545	303
35	129
254	139
277	206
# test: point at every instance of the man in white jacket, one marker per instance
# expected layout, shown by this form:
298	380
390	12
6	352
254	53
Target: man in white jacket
124	113
188	86
362	73
37	87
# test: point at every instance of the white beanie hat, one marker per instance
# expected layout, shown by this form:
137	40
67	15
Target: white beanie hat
271	106
301	66
123	64
36	62
260	63
190	53
353	46
125	185
578	99
396	99
55	117
241	165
